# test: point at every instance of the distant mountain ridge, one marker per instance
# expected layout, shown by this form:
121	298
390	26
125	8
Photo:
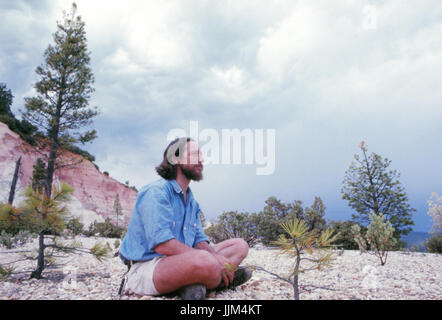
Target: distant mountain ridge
416	238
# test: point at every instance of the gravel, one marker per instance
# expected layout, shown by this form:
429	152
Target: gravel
351	276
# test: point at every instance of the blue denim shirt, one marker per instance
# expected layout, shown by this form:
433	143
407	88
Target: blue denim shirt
158	216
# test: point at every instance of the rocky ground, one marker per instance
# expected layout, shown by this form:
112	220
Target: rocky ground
351	276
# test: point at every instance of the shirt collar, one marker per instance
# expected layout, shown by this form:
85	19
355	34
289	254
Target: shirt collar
178	188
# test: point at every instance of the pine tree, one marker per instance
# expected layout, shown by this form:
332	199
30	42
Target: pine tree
48	217
23	127
346	238
61	106
275	212
369	186
39	175
314	216
117	207
5	102
300	242
45	215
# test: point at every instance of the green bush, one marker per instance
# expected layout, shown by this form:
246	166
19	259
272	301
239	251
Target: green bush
434	244
216	233
265	226
233	225
5	272
10	241
75	226
345	238
378	237
6	239
105	229
268	222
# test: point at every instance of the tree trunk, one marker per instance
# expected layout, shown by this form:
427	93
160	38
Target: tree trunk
296	287
295	278
14	181
53	135
50	169
372	185
41	257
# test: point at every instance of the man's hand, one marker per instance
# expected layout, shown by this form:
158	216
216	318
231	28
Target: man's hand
228	269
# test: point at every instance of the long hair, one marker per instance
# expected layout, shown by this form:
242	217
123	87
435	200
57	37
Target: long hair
167	169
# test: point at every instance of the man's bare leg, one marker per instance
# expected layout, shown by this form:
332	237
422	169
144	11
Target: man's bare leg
177	271
235	250
199	266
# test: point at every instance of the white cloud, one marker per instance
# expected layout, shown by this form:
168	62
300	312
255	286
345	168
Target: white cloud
121	64
149	32
231	78
232	85
286	43
309	69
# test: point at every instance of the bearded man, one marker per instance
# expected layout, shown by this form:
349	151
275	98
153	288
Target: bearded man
165	247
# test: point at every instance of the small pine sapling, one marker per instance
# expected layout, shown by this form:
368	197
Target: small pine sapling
299	242
47	217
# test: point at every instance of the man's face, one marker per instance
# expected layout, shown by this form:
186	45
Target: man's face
191	163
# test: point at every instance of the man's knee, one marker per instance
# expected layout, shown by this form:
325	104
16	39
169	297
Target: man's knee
208	268
242	247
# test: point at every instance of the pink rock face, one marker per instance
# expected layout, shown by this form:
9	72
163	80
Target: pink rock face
95	190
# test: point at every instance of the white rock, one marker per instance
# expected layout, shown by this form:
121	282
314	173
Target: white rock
411	276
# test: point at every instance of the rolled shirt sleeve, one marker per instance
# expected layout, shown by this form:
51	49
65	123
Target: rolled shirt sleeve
157	216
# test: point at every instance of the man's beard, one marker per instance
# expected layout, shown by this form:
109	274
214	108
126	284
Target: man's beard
192	173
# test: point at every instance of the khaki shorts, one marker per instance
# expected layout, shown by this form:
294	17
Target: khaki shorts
140	278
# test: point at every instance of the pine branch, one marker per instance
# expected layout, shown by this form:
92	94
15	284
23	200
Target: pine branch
273	274
304	287
313	260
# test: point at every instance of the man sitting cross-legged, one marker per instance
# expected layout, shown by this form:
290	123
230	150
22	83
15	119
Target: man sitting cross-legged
165	246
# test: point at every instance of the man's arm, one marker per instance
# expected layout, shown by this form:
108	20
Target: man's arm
203	245
172	247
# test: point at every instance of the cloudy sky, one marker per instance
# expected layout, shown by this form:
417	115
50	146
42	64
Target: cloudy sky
324	75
